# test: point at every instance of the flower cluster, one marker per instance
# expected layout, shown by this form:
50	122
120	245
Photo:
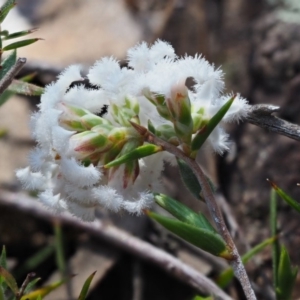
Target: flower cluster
75	141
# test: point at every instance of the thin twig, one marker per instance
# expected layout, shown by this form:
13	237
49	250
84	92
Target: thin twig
10	75
213	208
123	240
24	285
261	115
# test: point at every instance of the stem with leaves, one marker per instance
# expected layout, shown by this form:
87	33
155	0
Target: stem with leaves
214	210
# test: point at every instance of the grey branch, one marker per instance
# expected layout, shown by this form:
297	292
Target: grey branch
10	75
124	241
261	115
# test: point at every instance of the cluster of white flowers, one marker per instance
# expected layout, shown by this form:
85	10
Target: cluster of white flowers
73	142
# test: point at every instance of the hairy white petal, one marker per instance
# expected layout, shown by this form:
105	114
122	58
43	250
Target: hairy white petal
60	138
144	201
53	201
31	180
108	198
78	174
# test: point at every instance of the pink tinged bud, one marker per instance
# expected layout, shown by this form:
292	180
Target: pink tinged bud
179	106
87	143
79	119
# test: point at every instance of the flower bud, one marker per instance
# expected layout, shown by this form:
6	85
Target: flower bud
179	106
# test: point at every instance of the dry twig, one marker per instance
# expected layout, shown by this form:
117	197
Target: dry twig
261	115
124	241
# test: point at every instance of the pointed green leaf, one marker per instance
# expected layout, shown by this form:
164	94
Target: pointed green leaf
24	88
202	238
227	275
43	291
1	293
190	180
5	8
20	44
86	286
183	213
9	280
286	276
19	34
289	200
151	127
8	62
3	258
205	131
31	285
137	153
274	232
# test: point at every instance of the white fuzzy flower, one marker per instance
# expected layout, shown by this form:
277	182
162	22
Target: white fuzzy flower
75	145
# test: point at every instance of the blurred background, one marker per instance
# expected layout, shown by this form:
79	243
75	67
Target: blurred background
257	45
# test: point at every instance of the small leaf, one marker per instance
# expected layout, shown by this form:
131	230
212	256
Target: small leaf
20	44
19	34
289	200
137	153
202	238
286	276
207	129
1	293
183	213
43	291
8	62
190	180
24	88
86	287
227	275
5	8
9	280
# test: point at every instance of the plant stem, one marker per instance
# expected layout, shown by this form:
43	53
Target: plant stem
236	262
10	75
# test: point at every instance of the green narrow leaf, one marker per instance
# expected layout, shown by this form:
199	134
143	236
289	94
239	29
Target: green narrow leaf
8	62
202	238
286	276
9	280
205	131
5	96
3	262
20	44
43	291
19	34
227	275
289	200
183	213
59	249
24	88
274	232
86	286
202	298
1	293
190	180
35	260
31	285
5	8
137	153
